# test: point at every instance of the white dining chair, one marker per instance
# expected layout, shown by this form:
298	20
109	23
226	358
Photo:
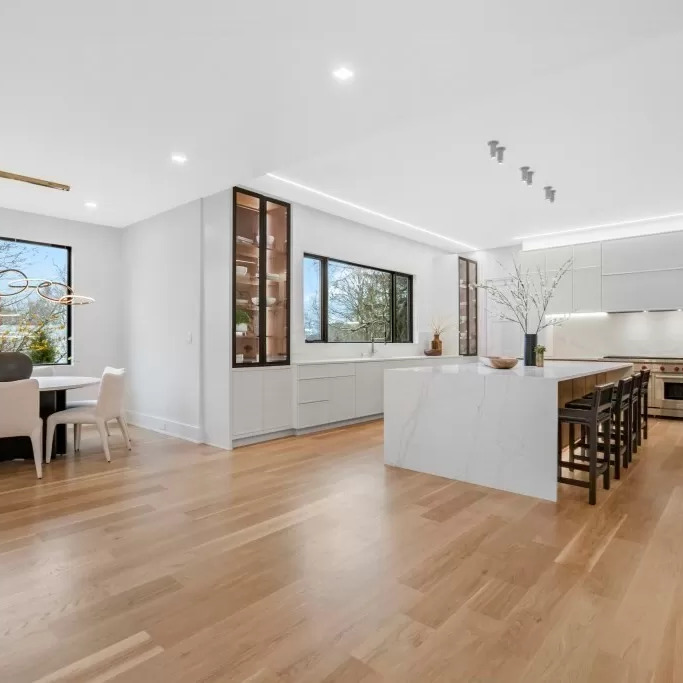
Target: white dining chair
20	415
86	403
109	406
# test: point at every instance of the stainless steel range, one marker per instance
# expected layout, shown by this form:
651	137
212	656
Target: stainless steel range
665	395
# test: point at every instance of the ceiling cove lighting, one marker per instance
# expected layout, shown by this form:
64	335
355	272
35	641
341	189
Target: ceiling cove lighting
384	216
179	159
90	205
343	74
617	224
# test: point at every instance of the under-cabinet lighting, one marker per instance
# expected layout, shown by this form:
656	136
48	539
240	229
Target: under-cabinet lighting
370	212
592	314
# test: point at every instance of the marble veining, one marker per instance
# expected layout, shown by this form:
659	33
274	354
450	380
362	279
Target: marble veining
496	428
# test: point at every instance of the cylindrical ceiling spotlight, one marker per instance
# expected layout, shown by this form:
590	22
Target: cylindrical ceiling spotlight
500	151
525	173
493	148
529	177
550	193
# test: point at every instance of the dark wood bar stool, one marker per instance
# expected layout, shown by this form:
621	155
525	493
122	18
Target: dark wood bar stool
592	418
644	400
619	443
636	419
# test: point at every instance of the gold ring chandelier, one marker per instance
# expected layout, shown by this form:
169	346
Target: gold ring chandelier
43	288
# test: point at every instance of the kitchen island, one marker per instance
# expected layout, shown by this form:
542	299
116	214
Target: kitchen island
496	428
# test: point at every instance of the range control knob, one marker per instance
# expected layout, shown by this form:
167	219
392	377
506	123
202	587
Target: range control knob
661	367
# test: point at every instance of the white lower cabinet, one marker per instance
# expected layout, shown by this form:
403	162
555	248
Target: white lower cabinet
336	392
261	401
369	388
342	398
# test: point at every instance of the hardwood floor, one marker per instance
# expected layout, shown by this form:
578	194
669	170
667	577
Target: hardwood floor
307	560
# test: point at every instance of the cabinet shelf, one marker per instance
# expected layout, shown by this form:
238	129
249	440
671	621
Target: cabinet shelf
265	220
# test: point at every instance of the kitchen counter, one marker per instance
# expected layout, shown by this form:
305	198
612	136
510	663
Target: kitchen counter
375	359
495	428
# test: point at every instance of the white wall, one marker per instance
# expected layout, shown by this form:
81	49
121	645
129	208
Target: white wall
96	271
163	294
620	334
216	310
322	234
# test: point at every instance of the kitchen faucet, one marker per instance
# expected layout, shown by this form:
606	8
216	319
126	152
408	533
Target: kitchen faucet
372	344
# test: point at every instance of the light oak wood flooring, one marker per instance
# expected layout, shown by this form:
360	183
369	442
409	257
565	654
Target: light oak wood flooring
307	560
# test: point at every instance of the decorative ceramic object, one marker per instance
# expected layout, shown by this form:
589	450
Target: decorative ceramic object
239	358
241	328
254	300
240	270
270	301
437	345
498	362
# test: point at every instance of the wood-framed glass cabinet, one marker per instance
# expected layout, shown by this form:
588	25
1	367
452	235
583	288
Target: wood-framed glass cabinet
261	280
467	306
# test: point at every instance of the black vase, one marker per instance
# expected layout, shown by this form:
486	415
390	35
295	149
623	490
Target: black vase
530	342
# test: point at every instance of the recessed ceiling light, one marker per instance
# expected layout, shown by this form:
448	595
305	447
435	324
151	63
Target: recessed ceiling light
179	159
371	212
90	205
342	74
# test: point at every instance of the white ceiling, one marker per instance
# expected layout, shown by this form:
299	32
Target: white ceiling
99	95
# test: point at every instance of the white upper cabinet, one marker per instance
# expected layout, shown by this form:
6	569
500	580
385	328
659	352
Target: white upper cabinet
533	261
562	299
556	258
648	291
587	290
647	253
587	255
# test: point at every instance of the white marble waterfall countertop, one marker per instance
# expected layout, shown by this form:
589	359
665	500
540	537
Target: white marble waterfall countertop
495	428
555	371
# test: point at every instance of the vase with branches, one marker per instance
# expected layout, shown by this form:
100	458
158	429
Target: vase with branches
439	326
523	298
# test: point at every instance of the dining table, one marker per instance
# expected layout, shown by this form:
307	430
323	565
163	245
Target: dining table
53	390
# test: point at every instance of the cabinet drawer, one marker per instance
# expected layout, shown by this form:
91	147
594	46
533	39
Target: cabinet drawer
313	414
313	390
326	370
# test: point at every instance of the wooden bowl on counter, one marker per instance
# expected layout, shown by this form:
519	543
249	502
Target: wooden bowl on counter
499	362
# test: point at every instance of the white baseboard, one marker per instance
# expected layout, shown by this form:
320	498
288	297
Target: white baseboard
158	424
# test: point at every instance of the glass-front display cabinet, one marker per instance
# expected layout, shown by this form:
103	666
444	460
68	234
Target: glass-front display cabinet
467	309
261	272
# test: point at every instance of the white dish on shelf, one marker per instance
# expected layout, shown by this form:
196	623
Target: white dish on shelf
275	277
241	270
244	240
242	302
271	301
254	300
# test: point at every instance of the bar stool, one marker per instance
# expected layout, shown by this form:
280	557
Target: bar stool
644	400
636	421
619	442
591	419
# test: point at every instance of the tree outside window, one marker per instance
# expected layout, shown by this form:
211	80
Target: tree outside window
28	322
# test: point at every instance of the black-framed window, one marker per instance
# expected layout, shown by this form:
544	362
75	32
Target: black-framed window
350	303
29	322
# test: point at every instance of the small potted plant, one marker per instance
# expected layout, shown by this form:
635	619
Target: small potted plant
242	321
540	355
